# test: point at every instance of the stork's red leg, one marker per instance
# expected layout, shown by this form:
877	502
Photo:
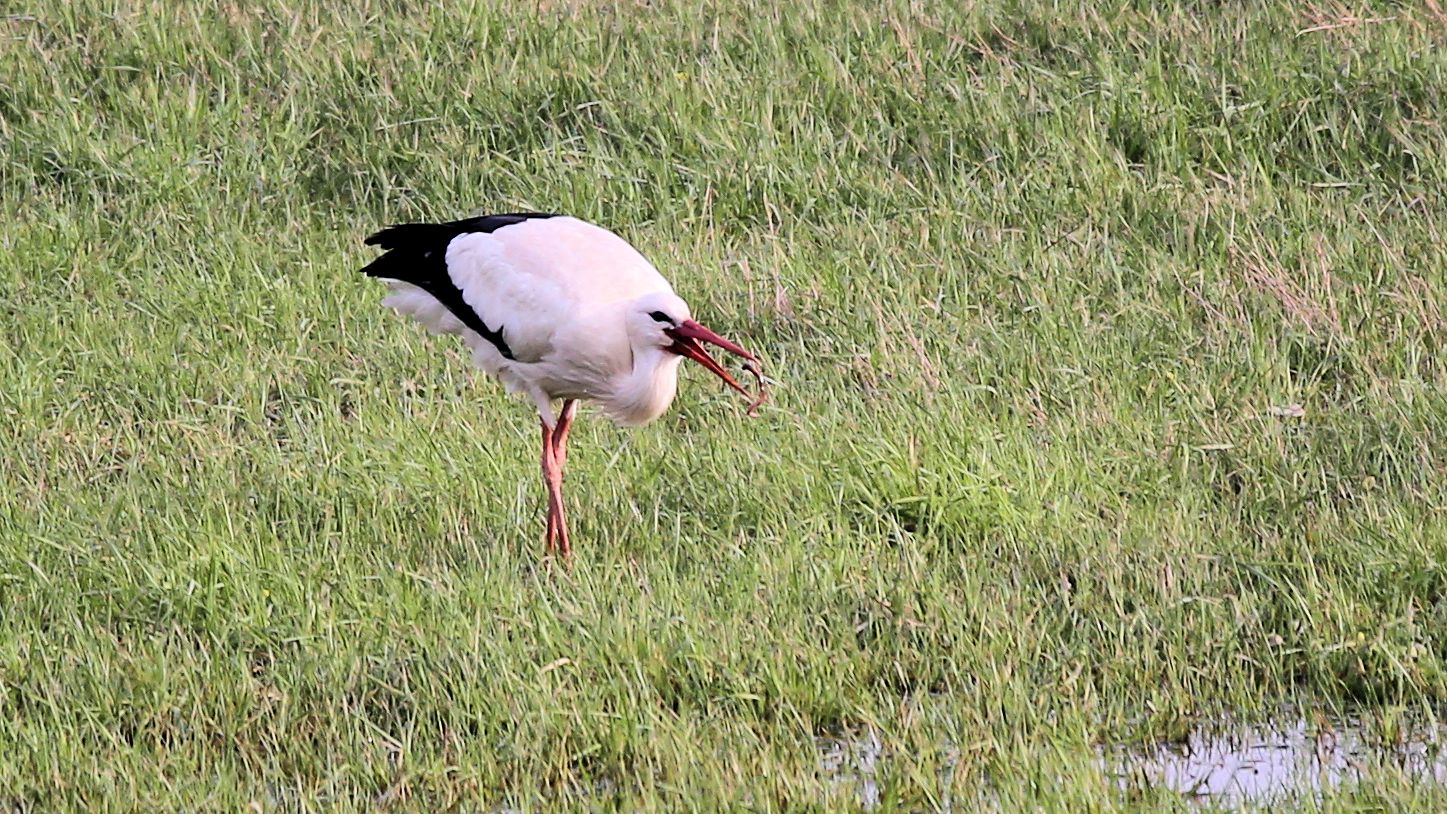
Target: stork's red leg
550	543
560	454
557	537
560	432
551	538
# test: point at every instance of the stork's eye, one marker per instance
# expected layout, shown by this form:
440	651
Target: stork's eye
659	316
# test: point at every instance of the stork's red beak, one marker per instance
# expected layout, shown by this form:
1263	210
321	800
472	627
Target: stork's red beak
686	337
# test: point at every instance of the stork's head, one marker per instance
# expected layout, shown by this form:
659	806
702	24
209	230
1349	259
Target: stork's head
662	320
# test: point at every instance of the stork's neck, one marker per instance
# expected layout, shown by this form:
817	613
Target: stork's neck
643	394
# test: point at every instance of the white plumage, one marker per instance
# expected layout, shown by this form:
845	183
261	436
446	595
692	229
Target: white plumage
556	308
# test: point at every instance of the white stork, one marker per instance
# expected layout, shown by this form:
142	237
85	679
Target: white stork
557	309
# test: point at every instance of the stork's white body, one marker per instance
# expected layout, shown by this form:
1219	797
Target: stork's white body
555	308
558	285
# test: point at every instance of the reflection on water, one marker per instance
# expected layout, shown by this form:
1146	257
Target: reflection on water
1225	764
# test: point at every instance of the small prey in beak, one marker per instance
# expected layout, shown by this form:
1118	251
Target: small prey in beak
686	338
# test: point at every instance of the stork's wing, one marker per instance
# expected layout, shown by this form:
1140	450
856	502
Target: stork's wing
417	256
514	279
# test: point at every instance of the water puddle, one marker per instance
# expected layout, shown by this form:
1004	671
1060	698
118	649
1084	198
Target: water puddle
1234	764
1229	764
853	762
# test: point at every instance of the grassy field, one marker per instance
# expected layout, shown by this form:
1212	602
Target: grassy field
1111	360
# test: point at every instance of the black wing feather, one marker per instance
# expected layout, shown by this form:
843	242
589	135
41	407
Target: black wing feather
417	254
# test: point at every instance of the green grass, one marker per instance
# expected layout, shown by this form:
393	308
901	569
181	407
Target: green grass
1041	288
